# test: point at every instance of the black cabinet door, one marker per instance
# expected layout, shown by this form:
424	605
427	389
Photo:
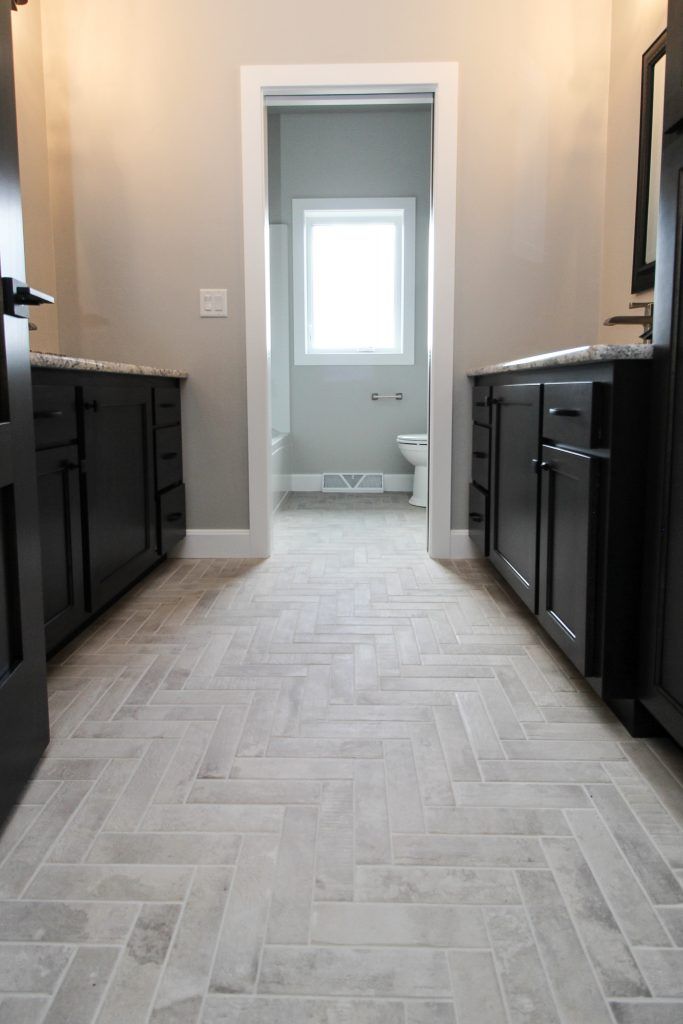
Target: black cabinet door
568	535
24	727
59	504
514	486
119	475
662	690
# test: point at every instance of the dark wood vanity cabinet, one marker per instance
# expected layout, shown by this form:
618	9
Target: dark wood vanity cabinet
110	508
563	508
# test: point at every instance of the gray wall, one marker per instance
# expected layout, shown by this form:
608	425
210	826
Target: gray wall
342	153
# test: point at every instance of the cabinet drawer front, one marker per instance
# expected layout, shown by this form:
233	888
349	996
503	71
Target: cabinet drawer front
54	415
481	404
171	515
166	406
169	457
568	539
481	445
571	414
479	519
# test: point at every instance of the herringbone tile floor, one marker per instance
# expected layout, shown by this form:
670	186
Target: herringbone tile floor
347	785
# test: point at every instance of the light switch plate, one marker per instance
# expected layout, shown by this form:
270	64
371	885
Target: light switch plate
213	302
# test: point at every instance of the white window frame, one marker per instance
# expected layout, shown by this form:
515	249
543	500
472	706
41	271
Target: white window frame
404	205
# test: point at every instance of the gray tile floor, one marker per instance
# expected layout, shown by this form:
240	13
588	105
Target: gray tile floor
347	785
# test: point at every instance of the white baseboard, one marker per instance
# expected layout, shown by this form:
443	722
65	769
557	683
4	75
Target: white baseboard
214	544
314	482
305	481
462	546
398	482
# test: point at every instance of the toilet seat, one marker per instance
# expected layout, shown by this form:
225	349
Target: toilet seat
417	439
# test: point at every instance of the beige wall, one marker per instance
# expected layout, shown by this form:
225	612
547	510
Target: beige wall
33	164
143	124
635	25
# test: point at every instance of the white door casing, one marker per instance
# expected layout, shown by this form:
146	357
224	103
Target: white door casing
440	81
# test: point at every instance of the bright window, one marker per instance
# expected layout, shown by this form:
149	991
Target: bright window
353	276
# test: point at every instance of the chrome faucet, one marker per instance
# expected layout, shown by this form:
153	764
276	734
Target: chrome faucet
645	318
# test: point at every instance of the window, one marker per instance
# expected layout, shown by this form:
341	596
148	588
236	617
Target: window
354	280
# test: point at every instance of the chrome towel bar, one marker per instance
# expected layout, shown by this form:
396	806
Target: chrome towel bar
376	397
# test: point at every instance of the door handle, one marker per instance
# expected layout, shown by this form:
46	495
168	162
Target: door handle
563	412
17	296
91	406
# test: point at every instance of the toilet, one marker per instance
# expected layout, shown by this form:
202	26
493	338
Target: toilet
415	448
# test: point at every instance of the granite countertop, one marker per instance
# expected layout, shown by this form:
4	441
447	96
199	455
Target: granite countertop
569	357
51	361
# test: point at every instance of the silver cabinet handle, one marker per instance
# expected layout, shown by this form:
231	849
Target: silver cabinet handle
376	397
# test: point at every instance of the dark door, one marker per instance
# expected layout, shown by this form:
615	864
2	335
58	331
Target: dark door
23	698
568	534
663	690
59	502
121	537
514	486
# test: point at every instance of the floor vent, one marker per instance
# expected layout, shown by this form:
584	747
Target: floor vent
360	483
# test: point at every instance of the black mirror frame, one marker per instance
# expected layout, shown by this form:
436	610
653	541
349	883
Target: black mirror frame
643	274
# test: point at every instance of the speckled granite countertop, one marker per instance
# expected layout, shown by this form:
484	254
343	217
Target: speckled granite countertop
569	357
51	361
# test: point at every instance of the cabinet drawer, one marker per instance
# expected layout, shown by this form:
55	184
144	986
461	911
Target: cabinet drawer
54	415
479	519
571	414
481	444
171	518
481	404
168	457
166	406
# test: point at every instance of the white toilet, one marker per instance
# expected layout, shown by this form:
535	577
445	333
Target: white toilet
415	448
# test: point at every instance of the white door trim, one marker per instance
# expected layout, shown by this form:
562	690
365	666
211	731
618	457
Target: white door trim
259	81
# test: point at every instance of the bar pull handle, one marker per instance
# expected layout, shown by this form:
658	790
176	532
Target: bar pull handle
47	414
17	296
375	396
563	412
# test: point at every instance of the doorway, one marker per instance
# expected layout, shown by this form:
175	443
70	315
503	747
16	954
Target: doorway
342	88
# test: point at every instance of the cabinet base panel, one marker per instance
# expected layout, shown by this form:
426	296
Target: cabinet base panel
636	717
